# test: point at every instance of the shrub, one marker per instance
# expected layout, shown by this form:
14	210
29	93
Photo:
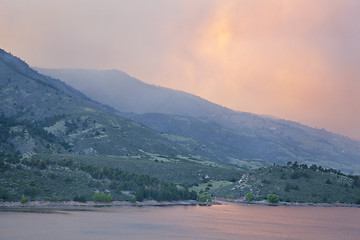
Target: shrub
80	198
24	199
52	176
233	179
113	185
272	198
53	199
68	180
295	175
230	196
204	198
31	191
249	196
266	181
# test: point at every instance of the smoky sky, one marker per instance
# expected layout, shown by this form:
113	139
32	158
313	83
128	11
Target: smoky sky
297	60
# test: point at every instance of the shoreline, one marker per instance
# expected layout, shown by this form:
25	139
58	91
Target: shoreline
218	201
90	204
288	204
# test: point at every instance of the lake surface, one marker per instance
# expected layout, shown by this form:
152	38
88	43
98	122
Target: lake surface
227	221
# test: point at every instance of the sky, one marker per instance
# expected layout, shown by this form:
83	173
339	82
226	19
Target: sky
294	59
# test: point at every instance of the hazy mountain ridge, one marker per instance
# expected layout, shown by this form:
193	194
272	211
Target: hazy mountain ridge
87	127
246	148
228	135
142	98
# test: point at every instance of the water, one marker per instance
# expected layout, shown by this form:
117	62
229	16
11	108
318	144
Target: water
228	221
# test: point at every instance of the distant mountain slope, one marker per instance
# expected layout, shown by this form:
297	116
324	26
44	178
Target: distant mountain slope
258	146
229	136
54	117
128	94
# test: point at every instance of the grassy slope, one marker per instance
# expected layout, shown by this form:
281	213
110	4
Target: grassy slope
46	183
177	170
63	178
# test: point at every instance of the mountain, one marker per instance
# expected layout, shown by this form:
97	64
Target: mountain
35	105
245	139
128	94
44	118
58	144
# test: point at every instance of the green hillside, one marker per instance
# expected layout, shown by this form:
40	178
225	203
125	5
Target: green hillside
296	183
67	180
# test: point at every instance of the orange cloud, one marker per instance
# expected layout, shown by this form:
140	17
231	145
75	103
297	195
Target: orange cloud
268	57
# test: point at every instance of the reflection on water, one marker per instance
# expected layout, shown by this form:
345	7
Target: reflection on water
228	221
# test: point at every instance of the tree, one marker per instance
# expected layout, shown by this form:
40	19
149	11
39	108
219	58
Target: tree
272	198
313	167
109	197
96	197
193	195
140	194
249	196
295	165
287	187
356	181
102	197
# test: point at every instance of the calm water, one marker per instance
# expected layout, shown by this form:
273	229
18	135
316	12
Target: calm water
229	221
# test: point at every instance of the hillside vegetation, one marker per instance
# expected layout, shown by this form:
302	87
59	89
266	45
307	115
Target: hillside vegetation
66	180
296	183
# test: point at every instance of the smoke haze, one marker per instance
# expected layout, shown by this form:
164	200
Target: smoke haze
297	60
